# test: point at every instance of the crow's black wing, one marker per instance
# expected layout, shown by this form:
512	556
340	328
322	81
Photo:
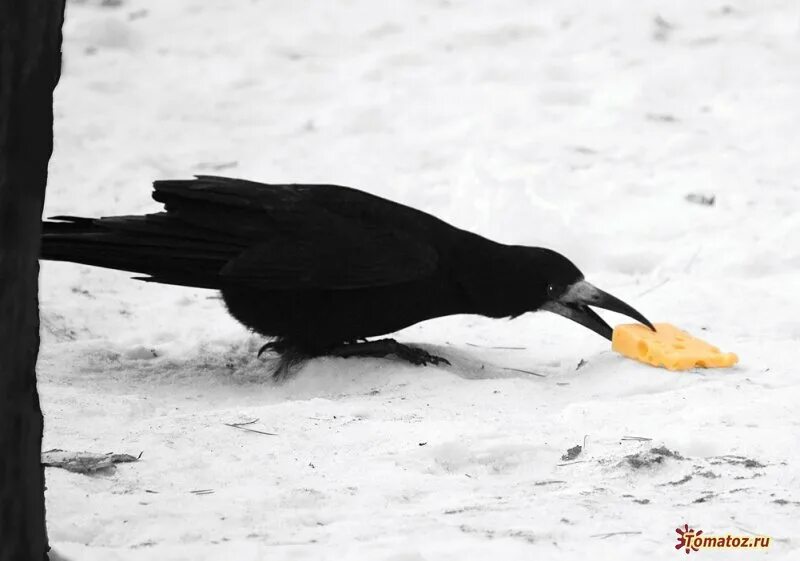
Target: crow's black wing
257	210
332	262
304	237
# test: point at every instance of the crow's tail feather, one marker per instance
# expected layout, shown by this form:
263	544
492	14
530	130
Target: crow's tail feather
165	250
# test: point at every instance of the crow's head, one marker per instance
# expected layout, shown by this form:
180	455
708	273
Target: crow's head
563	291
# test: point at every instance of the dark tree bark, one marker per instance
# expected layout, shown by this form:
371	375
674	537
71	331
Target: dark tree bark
30	65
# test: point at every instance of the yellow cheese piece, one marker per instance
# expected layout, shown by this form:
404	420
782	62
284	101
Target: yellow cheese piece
669	347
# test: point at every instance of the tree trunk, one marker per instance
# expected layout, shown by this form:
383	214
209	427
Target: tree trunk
30	65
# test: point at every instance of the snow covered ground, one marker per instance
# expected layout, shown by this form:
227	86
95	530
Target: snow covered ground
581	126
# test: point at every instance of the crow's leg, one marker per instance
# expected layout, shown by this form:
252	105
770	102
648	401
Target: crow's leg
384	347
290	357
289	362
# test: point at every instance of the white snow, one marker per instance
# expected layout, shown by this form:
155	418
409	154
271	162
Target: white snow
580	126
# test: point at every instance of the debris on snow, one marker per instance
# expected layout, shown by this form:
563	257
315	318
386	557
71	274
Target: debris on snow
737	461
649	458
572	453
85	462
681	481
700	199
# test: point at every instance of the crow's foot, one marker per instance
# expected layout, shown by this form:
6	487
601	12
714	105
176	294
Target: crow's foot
384	347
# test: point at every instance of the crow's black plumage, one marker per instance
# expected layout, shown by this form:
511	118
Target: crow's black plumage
320	267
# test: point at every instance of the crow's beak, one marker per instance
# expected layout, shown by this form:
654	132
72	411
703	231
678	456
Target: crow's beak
575	301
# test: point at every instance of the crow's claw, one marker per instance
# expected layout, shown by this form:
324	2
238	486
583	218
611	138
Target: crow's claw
275	346
420	357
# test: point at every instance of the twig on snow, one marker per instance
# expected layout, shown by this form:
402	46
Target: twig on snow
524	371
656	287
692	259
571	463
243	426
610	534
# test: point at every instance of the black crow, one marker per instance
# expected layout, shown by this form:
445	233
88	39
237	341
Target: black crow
320	268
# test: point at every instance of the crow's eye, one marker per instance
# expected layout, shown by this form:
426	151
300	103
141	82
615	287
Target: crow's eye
551	289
